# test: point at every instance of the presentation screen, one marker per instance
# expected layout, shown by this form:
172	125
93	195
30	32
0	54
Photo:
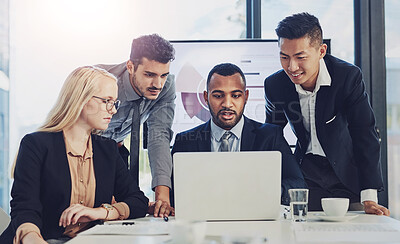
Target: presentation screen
194	59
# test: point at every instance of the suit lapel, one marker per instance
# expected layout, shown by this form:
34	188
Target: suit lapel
63	165
320	105
204	144
294	112
101	171
248	136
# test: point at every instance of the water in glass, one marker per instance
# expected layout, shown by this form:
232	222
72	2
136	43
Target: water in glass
299	211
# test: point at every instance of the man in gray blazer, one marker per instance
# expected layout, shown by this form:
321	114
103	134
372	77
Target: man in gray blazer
147	94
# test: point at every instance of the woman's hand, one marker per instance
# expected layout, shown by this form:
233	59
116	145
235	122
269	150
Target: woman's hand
32	238
79	213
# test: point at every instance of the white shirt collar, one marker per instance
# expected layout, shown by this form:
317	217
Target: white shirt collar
217	131
323	79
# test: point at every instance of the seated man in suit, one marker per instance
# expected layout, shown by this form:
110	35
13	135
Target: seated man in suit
230	130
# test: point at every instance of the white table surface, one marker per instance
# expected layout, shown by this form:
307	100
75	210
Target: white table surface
277	232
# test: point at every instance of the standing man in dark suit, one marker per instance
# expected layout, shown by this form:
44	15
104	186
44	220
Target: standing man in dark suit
230	130
325	102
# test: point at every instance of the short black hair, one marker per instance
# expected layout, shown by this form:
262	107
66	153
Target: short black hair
153	47
300	25
226	69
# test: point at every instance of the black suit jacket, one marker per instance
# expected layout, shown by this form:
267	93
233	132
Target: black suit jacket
42	184
255	137
345	123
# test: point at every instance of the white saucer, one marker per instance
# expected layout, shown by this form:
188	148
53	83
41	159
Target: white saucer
347	217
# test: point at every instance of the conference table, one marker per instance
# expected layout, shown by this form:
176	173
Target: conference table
358	227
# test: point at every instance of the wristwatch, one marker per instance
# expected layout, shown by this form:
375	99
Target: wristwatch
107	207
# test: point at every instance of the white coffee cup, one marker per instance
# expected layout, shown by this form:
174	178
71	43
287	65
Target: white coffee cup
183	232
335	206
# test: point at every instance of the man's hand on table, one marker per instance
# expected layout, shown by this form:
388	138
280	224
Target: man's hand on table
161	207
371	207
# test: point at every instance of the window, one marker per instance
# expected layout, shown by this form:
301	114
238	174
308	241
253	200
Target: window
336	19
4	98
190	20
392	21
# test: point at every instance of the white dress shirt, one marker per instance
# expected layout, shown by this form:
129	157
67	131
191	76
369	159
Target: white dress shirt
307	104
234	141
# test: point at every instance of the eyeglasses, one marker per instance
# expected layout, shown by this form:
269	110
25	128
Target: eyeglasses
110	103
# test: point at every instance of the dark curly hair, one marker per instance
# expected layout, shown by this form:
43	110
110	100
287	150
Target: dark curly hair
152	47
300	25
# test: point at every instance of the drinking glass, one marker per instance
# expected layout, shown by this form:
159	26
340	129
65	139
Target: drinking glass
298	204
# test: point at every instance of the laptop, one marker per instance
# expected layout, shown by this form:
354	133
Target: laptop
4	220
221	186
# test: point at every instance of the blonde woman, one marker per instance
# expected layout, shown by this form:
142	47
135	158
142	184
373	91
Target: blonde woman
65	176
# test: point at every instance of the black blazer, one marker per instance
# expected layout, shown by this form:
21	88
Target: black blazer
42	184
345	123
255	137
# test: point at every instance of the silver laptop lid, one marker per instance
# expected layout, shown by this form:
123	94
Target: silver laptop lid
227	185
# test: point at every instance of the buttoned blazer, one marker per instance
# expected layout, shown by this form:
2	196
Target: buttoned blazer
255	137
345	123
42	187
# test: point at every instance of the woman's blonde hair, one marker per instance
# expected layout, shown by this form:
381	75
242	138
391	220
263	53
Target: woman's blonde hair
78	89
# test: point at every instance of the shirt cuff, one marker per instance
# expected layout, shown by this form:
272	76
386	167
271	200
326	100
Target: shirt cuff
123	210
161	181
23	230
369	195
